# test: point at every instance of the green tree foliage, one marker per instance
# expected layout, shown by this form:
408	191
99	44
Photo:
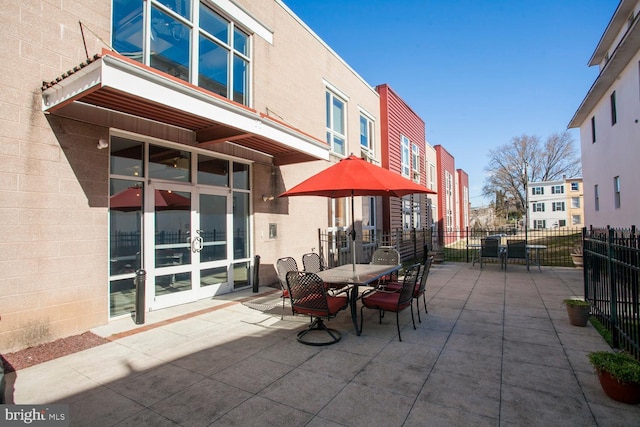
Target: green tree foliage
544	161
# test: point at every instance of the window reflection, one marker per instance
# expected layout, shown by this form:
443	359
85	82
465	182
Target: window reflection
170	45
212	171
126	157
213	64
127	28
240	225
169	163
241	176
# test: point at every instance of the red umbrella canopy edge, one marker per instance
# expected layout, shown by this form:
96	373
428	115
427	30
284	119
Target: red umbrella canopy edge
353	176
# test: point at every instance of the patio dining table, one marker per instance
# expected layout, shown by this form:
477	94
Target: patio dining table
361	275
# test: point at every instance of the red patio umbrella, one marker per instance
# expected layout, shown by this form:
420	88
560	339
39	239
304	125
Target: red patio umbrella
353	176
131	199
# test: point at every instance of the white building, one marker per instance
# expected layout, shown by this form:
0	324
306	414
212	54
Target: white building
555	204
608	119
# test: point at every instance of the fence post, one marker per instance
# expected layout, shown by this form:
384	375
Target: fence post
613	290
586	265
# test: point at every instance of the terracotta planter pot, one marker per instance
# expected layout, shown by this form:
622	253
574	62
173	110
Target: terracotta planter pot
578	315
622	392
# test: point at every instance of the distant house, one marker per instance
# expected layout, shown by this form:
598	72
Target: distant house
609	122
555	204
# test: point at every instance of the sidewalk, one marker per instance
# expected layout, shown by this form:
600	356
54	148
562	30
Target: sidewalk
495	349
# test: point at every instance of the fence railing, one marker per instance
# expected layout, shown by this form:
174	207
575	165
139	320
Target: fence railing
452	246
611	273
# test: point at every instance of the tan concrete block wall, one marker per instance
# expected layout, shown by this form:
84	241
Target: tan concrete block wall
53	181
288	84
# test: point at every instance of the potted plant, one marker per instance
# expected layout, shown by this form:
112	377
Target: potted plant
576	255
578	311
619	375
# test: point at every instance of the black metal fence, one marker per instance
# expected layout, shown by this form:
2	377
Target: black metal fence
611	272
452	246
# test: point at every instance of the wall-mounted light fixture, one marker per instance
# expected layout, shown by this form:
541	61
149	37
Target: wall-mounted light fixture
268	198
102	144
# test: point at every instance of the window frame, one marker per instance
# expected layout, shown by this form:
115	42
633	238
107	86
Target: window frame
616	192
405	166
415	162
332	134
537	207
191	21
369	124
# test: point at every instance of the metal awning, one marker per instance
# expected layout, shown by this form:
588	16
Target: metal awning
115	83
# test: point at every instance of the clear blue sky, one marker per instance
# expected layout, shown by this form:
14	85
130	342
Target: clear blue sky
478	72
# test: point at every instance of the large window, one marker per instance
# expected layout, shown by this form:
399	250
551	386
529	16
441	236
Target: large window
415	162
219	60
366	134
336	123
404	147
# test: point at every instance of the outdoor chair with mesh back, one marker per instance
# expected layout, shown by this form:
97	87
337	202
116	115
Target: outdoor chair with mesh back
309	296
392	301
386	256
420	287
312	262
490	249
517	249
283	266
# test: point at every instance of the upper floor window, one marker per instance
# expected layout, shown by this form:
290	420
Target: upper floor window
538	207
557	189
415	162
557	206
593	129
576	219
596	197
336	123
575	186
539	223
614	114
575	202
616	192
218	59
404	147
536	191
366	133
432	176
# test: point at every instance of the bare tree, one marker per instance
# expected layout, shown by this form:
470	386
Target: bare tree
548	161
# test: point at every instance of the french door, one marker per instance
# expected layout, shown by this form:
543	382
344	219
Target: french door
187	235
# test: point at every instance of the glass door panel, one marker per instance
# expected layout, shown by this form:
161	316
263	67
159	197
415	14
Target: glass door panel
172	245
213	253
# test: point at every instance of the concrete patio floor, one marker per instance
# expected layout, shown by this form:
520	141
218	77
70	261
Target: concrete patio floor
496	349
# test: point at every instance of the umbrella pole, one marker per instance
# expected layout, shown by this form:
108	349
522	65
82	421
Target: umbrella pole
353	236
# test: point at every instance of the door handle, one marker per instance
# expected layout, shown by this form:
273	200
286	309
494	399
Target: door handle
197	242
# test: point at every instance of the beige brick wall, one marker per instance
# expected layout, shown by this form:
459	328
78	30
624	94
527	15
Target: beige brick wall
53	181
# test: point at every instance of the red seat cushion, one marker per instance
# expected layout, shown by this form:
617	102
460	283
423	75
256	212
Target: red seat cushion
335	304
382	300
